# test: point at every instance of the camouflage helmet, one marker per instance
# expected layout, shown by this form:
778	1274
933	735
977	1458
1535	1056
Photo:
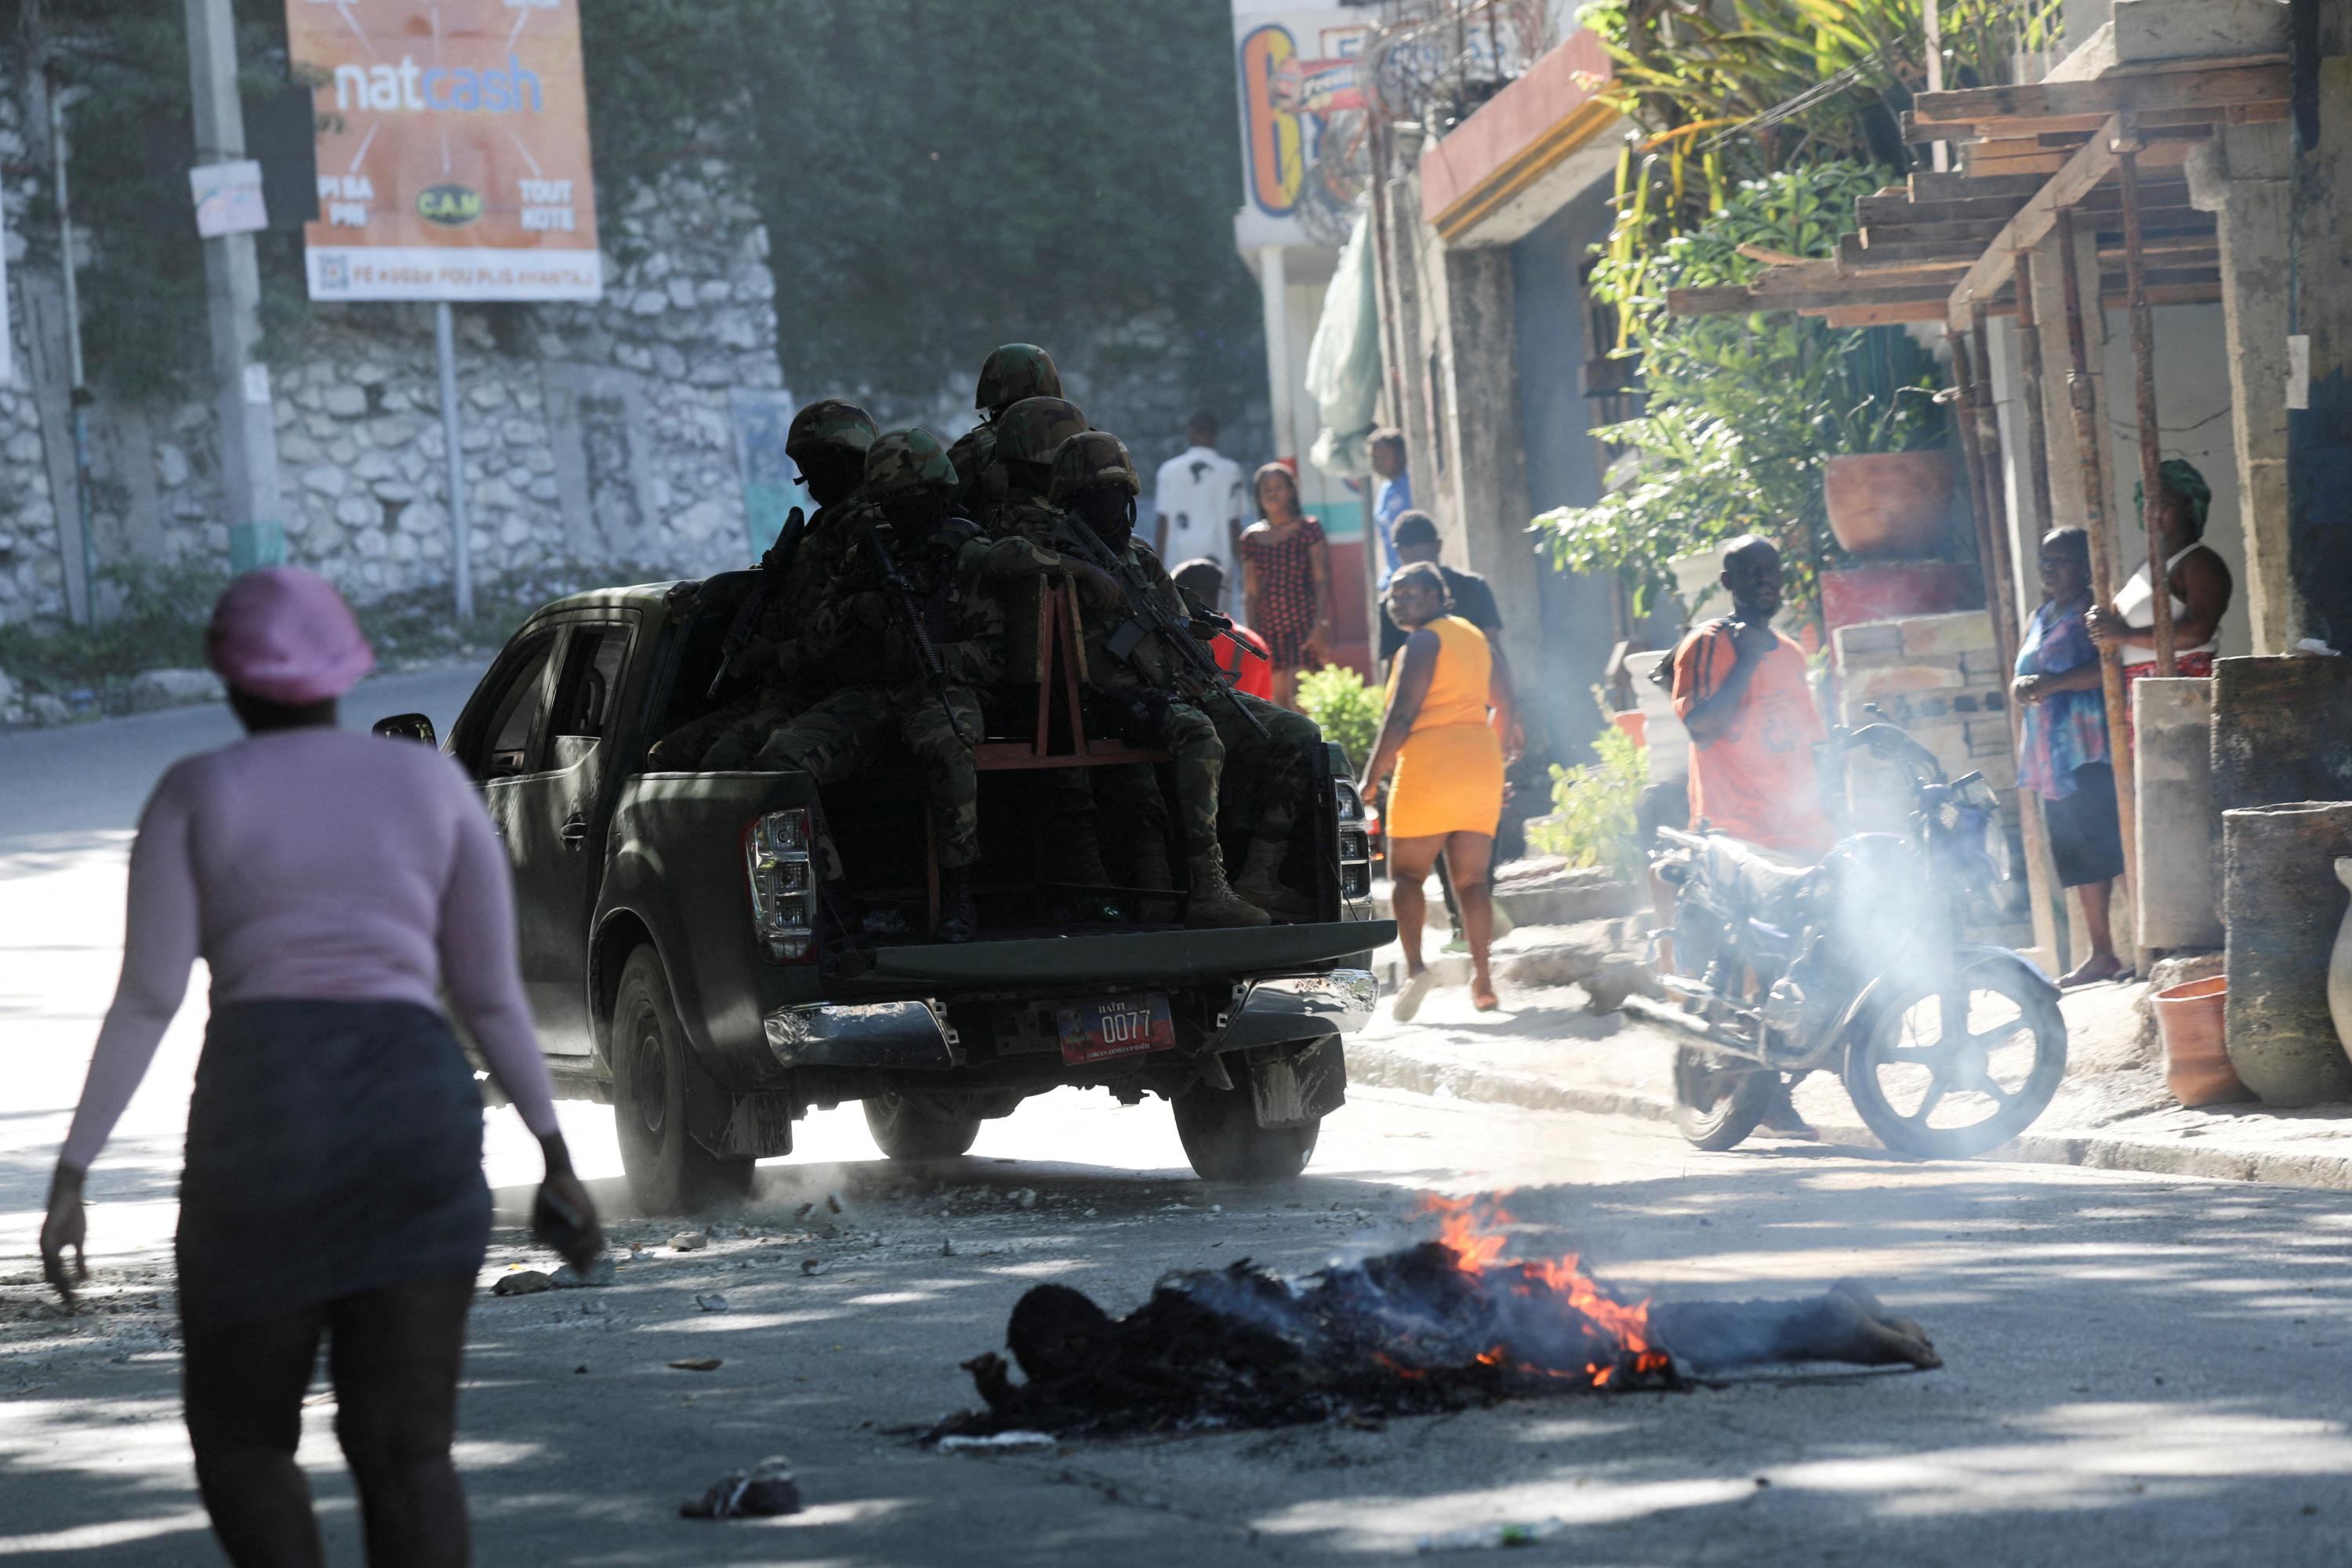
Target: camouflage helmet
905	461
1013	373
829	423
1033	429
1088	459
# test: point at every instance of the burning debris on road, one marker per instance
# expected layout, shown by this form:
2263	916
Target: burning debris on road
1437	1326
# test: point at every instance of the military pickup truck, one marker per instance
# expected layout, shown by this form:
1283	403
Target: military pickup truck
715	954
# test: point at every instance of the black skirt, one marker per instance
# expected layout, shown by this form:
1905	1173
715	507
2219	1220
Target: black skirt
333	1148
2086	837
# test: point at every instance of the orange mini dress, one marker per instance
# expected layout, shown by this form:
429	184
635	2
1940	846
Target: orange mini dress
1449	777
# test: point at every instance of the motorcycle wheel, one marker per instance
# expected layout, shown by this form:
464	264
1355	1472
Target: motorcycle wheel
1953	1093
1717	1104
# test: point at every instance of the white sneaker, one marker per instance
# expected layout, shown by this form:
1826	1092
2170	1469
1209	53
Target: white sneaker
1409	999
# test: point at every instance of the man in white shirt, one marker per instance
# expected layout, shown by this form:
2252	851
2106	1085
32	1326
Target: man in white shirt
1197	502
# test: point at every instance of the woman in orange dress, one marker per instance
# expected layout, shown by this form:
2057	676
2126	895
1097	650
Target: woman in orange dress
1449	707
1287	580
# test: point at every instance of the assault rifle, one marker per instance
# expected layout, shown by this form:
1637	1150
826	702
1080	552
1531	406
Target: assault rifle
898	597
746	624
1149	616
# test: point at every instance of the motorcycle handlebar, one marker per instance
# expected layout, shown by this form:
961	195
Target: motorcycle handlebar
1888	740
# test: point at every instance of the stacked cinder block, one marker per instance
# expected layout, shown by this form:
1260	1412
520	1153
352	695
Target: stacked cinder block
1942	680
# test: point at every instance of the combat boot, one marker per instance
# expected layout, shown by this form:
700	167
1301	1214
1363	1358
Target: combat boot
1211	903
1261	880
958	919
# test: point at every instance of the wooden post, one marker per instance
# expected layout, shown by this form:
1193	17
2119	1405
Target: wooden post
2079	392
2152	453
2000	595
2033	409
1989	438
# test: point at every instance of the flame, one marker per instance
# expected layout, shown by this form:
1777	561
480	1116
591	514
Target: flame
1471	1228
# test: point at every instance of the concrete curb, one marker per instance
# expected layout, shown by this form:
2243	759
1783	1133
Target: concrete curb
1377	1065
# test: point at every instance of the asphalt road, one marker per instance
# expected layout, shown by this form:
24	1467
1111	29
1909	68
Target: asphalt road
2137	1369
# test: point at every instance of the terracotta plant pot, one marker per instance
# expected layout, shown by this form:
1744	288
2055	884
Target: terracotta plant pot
1889	505
2195	1062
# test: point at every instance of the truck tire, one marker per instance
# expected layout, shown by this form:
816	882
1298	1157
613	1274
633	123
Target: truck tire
1219	1130
905	1130
669	1172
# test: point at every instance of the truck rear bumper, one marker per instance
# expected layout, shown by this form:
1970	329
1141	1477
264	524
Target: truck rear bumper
1305	1008
917	1036
862	1034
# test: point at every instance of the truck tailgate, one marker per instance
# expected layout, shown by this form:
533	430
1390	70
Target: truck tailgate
1173	957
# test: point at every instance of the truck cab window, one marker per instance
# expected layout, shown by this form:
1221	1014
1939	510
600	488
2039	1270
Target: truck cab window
502	748
592	679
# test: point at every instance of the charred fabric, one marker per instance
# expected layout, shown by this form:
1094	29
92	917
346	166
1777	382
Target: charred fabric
1437	1326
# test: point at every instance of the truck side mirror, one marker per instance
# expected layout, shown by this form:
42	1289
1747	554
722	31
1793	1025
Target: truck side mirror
407	727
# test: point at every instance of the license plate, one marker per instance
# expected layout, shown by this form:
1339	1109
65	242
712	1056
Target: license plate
1121	1027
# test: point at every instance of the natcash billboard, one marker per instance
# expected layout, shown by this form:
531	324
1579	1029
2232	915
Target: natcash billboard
452	150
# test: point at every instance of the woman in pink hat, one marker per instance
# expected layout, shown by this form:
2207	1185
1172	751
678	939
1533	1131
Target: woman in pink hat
336	884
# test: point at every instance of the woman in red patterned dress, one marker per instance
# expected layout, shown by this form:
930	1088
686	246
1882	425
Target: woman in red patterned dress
1287	580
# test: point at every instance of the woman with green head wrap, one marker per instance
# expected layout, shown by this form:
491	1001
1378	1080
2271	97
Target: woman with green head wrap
2198	580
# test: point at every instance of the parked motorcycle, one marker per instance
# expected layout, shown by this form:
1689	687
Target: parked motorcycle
1858	965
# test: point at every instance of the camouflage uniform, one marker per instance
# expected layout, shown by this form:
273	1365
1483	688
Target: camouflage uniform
836	738
728	736
1142	694
1009	491
1012	373
1018	519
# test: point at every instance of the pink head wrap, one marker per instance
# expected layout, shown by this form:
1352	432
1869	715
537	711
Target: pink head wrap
285	635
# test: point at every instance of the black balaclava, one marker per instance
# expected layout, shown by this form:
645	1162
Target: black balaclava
831	474
1109	511
917	514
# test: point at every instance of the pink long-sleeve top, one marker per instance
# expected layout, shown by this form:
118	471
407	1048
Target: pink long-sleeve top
318	864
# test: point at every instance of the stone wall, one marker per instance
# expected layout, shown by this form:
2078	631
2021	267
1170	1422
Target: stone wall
1941	679
591	434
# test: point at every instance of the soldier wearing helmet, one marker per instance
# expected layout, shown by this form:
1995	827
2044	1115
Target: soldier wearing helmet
1137	687
1010	373
827	442
857	637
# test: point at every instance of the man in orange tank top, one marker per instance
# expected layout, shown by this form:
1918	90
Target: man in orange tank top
1740	690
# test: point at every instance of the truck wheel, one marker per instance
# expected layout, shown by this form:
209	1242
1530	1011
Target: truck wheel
905	1130
1223	1139
669	1172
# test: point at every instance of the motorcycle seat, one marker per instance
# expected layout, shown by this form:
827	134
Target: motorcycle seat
1753	876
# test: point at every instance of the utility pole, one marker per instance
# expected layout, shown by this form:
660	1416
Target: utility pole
248	438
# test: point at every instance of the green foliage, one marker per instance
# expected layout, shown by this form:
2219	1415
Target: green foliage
160	608
1343	708
139	264
937	177
1829	78
1594	818
1743	410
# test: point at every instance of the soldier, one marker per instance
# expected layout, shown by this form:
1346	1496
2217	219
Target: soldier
856	634
827	441
1137	688
1021	445
1012	373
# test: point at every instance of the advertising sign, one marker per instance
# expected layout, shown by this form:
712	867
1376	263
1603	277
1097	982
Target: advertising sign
1296	69
452	150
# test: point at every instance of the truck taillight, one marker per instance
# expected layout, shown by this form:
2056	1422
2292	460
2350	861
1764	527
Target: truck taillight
783	884
1355	843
